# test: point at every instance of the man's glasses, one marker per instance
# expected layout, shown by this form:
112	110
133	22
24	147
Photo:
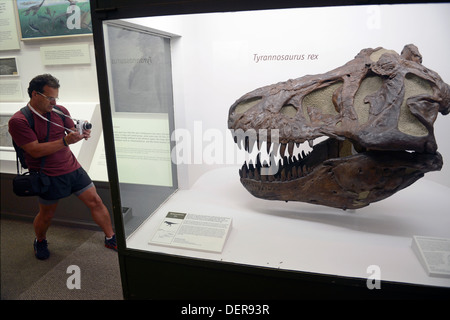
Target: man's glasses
51	99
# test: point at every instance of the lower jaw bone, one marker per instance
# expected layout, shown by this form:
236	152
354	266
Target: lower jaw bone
349	182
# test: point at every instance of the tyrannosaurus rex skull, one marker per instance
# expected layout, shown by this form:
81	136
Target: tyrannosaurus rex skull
377	111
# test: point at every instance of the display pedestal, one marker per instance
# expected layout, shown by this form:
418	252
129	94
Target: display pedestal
303	242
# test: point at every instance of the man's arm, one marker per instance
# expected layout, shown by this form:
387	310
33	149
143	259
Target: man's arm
38	150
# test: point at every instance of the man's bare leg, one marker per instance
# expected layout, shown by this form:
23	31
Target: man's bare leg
41	224
99	211
43	220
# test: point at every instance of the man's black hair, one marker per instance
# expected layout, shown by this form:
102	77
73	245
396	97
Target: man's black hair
38	83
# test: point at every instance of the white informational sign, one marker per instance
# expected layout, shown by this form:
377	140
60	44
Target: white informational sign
193	231
433	254
98	170
143	149
70	54
9	39
10	90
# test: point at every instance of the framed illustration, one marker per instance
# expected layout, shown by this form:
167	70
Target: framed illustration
5	137
8	67
53	18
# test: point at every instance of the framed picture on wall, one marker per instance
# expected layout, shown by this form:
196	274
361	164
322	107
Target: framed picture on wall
5	137
53	18
7	151
8	67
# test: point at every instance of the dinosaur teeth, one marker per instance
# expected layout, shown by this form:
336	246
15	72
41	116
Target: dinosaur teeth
285	162
285	169
282	161
291	148
275	149
282	149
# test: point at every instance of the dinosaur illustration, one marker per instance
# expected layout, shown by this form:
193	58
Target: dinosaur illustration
33	27
34	9
376	113
169	223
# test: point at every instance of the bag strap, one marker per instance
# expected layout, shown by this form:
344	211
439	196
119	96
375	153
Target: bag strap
29	116
27	113
17	163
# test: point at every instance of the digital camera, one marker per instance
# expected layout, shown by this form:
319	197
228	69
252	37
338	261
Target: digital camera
82	125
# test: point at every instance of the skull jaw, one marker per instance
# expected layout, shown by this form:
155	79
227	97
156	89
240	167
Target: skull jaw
350	182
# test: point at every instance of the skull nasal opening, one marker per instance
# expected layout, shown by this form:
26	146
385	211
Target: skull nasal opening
246	105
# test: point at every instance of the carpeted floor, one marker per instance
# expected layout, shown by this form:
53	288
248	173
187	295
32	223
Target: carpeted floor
23	277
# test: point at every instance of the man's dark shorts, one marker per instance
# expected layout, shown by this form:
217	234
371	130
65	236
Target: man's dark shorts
63	186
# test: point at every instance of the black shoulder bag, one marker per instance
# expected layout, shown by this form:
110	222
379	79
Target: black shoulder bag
32	183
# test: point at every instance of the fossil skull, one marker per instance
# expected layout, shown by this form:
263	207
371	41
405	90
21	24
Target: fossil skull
377	112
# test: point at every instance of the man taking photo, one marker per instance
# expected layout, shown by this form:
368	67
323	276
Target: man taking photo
50	138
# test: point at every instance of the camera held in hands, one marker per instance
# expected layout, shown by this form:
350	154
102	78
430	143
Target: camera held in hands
82	125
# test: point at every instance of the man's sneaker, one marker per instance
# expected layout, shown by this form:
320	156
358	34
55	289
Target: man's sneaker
111	243
41	249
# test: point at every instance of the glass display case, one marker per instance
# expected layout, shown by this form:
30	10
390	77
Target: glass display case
186	227
140	82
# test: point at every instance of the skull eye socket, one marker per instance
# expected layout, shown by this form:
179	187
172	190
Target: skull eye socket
407	122
369	86
289	110
246	105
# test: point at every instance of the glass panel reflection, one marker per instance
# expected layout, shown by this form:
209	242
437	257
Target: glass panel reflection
140	85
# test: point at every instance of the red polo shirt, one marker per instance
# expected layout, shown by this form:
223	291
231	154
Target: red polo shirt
61	162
